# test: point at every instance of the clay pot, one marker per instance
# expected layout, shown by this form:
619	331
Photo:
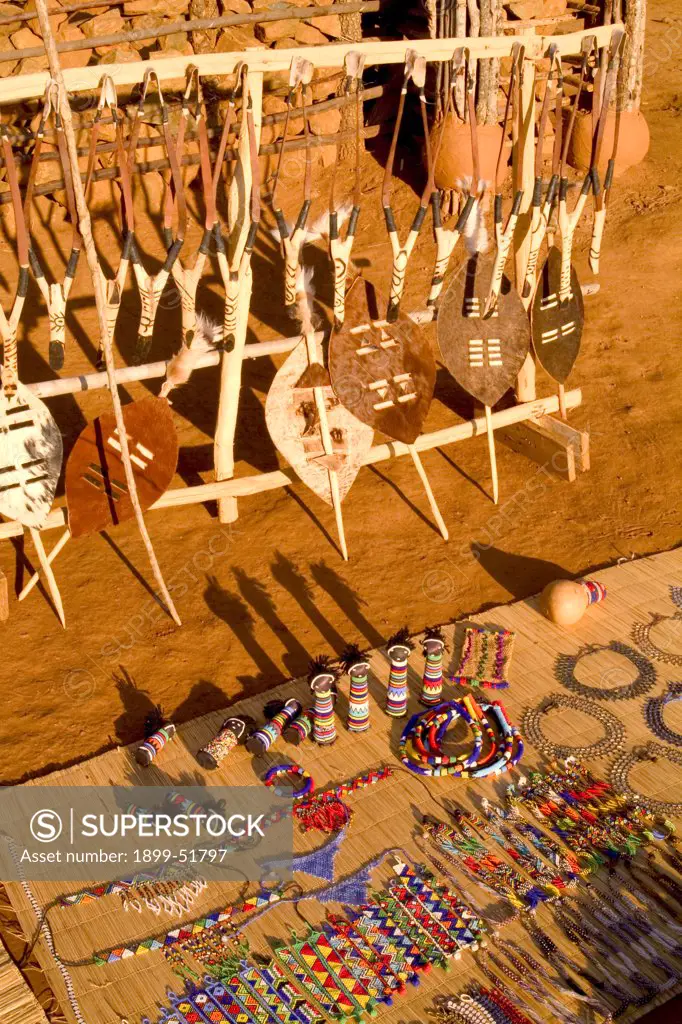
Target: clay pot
633	141
454	165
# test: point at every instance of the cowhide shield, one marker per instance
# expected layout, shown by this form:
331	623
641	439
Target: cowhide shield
484	356
97	494
557	330
30	457
383	375
293	422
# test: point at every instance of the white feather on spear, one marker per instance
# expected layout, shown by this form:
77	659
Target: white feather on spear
207	337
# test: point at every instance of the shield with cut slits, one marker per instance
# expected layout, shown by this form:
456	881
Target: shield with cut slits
30	457
557	327
97	494
292	417
383	373
483	355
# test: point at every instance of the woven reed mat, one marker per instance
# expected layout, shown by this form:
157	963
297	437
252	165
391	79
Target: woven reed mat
384	815
18	1005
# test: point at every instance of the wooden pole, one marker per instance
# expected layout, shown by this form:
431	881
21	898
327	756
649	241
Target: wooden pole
50	559
491	452
231	362
429	493
100	298
261	482
46	569
196	24
633	53
524	178
22	87
4	598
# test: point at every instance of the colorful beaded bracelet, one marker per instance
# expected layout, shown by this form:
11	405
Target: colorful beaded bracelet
420	747
295	770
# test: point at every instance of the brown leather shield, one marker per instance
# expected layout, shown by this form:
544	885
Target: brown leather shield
385	375
30	457
557	328
483	355
97	494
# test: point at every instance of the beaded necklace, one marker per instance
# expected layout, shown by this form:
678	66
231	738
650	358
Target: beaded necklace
614	730
625	762
565	667
641	634
653	713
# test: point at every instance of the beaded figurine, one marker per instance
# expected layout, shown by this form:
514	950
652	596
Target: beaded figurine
280	716
433	646
398	649
232	731
323	685
358	699
158	732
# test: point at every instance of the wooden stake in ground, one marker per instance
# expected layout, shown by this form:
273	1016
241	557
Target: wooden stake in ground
100	297
385	374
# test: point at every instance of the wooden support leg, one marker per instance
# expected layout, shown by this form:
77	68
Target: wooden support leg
336	502
491	451
4	598
48	574
50	559
552	443
429	493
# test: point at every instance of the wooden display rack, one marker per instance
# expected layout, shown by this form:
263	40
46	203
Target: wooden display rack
536	414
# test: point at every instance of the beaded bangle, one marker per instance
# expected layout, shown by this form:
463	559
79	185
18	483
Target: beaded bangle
499	759
625	762
294	770
564	672
420	747
653	713
614	730
641	634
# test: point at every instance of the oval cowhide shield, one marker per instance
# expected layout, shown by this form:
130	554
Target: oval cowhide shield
97	494
557	329
30	457
484	356
385	375
294	426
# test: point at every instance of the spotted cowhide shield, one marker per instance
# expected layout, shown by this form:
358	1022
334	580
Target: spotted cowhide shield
97	494
483	355
557	329
385	374
294	425
30	457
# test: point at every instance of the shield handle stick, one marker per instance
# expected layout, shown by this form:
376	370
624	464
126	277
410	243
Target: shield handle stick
491	452
100	302
318	394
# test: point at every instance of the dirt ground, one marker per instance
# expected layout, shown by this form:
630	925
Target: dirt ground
259	598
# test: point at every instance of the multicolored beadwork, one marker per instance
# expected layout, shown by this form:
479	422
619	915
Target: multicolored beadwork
147	751
396	693
358	698
230	734
301	727
324	725
432	679
278	770
485	658
269	733
420	744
